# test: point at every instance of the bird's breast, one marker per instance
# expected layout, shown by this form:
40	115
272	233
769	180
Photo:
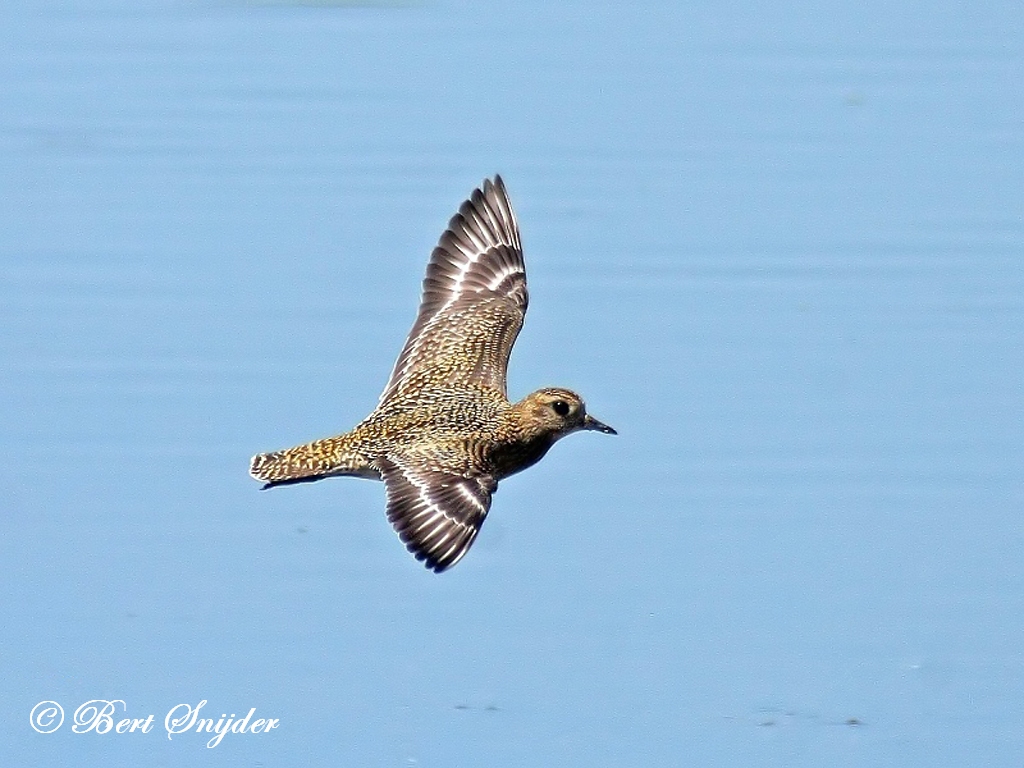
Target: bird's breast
510	457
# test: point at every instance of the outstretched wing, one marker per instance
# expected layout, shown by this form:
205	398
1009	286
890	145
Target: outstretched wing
474	300
436	514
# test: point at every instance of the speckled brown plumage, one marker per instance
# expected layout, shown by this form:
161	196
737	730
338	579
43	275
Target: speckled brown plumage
444	432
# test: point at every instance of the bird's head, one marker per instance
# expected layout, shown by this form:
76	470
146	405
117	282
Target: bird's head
558	412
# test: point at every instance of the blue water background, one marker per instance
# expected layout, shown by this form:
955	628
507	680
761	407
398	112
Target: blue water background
780	247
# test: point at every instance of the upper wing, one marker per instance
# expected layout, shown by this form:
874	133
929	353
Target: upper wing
436	514
474	300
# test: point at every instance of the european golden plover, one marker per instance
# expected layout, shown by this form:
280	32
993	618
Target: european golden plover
444	432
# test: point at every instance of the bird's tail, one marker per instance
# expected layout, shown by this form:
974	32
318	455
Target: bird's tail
313	461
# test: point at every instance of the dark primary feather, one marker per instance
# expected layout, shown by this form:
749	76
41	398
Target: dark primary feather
474	300
437	514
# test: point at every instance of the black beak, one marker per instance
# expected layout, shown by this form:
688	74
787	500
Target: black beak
589	422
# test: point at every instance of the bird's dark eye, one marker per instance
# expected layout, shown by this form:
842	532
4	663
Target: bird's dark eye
560	407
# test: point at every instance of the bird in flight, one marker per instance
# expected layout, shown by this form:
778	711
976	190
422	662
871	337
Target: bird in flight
444	431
